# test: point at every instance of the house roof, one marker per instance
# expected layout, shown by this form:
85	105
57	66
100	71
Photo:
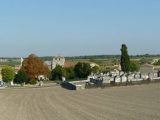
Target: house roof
68	64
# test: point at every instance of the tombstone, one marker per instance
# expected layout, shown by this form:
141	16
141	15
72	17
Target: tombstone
145	76
151	76
123	78
117	79
63	79
121	73
40	83
131	77
155	75
158	73
11	83
1	83
106	79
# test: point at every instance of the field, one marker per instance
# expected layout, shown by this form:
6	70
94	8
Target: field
140	102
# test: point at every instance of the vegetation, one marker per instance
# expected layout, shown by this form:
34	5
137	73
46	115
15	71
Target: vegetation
82	70
157	63
57	73
33	82
7	74
10	63
21	77
125	60
95	57
33	67
69	73
95	69
134	66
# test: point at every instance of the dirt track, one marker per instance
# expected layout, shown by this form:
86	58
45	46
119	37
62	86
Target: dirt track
55	103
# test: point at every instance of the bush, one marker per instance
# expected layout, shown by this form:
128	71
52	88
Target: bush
57	73
33	82
7	74
21	77
69	73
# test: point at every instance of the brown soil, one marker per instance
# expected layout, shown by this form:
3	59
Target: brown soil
55	103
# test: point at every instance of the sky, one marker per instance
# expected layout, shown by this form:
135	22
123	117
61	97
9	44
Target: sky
78	27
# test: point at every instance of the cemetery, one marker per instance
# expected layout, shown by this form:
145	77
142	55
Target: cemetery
113	78
118	78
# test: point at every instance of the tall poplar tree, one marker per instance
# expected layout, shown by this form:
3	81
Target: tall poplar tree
125	60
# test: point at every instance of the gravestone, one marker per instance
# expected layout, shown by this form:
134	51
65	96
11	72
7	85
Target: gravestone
158	73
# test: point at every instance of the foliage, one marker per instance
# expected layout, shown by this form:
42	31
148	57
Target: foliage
33	82
134	66
125	60
95	69
33	67
21	77
10	63
69	73
7	74
82	70
157	63
57	73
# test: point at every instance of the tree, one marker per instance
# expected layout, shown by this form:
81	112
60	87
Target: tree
134	66
95	69
82	70
125	60
33	67
7	74
157	63
69	73
21	77
58	73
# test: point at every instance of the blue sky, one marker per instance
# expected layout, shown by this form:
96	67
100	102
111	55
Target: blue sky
78	27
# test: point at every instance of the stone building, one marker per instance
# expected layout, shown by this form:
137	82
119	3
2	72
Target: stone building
57	61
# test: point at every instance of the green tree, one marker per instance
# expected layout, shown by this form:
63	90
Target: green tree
125	60
58	73
157	63
134	66
95	69
69	73
82	70
21	77
7	74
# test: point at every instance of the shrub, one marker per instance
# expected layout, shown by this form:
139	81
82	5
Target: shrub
33	82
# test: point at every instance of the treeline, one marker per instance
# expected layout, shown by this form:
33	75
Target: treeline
33	70
49	58
10	63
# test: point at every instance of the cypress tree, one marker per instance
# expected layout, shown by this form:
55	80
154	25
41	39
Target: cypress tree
125	60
